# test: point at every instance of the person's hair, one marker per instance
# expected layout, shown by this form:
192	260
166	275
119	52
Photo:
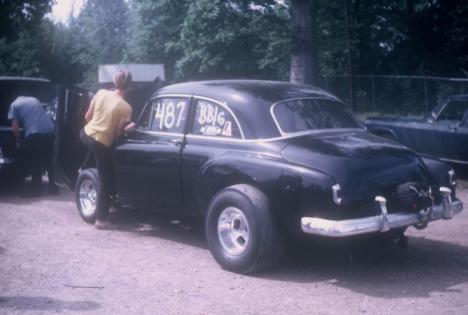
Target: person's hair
122	80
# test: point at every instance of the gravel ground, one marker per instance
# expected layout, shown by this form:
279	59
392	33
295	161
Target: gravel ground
51	261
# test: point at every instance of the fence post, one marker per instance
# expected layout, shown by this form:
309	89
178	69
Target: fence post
425	95
373	94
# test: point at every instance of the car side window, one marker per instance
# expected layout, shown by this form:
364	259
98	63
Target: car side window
454	110
168	114
212	119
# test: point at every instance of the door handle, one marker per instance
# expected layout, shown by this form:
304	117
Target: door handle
177	142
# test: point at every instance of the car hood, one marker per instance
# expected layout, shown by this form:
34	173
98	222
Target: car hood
360	162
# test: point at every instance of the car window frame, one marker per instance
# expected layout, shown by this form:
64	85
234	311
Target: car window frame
283	133
195	98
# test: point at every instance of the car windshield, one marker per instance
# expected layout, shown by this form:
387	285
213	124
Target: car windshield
313	114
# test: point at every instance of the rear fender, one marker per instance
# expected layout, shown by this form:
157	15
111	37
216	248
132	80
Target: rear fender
289	188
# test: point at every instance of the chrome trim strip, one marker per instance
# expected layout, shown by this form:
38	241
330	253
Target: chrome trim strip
343	228
159	133
6	160
452	181
171	95
452	161
336	189
385	224
289	136
283	133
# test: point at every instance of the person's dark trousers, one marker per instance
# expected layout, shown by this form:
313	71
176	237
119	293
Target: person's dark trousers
38	150
103	157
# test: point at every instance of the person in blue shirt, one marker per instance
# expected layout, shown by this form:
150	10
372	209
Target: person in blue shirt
28	113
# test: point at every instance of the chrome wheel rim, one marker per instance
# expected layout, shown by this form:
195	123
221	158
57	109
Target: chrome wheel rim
233	231
88	197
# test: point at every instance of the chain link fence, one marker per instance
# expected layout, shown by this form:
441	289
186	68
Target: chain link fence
394	94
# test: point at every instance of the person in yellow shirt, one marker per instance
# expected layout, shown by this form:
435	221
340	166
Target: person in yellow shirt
108	116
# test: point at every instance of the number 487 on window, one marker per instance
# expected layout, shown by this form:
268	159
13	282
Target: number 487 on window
169	114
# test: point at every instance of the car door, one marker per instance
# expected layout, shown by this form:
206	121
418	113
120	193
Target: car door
214	130
460	139
147	164
69	152
448	130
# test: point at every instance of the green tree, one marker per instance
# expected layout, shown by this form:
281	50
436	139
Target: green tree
101	33
225	39
155	32
19	15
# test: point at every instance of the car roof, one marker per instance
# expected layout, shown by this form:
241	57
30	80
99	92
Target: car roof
249	99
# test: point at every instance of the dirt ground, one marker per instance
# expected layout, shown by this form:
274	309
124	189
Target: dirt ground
52	262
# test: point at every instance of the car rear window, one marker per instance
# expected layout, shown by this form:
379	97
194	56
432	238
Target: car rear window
313	114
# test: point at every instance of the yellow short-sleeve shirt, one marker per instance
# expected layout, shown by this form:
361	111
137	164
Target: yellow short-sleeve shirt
110	110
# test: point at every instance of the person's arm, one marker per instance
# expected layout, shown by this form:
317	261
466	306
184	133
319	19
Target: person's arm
16	131
125	127
89	112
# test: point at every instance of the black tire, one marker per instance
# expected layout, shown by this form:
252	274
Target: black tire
264	246
88	179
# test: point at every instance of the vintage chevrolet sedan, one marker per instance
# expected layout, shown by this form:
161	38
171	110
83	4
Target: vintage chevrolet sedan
262	160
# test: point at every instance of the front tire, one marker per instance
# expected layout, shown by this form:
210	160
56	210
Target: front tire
240	231
87	193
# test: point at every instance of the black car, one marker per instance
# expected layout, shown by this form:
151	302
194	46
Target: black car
262	160
10	88
443	133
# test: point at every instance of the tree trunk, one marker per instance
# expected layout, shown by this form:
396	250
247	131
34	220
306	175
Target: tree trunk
302	61
349	35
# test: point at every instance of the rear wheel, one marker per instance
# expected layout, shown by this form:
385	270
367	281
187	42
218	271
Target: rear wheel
240	231
87	194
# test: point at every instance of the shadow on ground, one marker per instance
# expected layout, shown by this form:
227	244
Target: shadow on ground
187	231
40	304
425	268
13	193
428	268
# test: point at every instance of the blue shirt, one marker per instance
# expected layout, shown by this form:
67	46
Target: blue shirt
31	116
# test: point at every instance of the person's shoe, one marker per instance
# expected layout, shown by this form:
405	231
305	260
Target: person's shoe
53	189
104	225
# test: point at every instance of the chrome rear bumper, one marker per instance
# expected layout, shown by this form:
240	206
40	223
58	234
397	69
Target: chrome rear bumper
383	222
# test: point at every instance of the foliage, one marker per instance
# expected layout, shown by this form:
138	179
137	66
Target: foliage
101	33
207	39
155	32
20	15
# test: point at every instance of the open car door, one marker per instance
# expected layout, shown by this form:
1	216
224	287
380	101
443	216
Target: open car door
69	151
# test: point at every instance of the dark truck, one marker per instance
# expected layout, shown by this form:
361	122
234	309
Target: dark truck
260	161
442	133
